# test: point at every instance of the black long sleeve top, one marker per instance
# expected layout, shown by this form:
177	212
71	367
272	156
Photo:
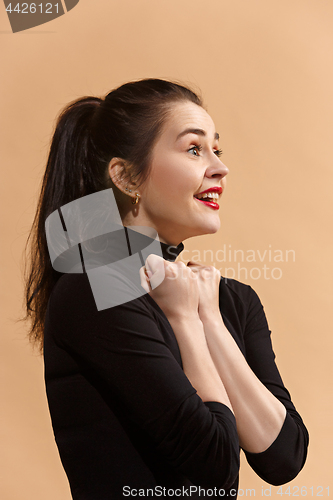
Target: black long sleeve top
125	416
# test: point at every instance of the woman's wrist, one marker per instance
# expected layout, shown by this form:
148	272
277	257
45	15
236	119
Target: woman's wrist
185	322
197	361
211	318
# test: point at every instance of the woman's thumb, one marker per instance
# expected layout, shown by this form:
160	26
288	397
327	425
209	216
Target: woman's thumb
155	268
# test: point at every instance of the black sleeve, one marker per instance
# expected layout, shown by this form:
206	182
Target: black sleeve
283	460
124	348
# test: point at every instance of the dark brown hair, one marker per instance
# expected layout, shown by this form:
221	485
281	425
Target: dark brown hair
88	134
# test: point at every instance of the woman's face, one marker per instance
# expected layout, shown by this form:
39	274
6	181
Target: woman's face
185	162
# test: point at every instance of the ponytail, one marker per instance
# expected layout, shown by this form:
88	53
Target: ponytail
71	172
71	163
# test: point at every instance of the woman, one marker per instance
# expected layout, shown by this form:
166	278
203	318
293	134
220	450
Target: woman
145	395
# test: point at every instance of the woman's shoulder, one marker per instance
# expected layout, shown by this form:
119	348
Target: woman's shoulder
70	291
74	296
238	291
241	302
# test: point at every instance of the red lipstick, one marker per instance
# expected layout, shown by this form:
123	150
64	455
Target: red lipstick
215	189
211	204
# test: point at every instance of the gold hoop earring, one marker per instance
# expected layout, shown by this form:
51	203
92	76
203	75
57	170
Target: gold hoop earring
136	199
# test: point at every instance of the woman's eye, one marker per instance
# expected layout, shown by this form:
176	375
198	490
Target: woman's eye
218	152
195	150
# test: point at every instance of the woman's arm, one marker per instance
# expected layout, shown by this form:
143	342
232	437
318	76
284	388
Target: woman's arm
178	297
244	315
210	353
259	414
197	362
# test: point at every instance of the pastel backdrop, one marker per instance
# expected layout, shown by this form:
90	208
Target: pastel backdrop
265	70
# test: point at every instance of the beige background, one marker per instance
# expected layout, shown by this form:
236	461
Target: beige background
265	71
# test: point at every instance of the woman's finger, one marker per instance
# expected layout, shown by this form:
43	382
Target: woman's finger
156	266
144	280
195	266
194	263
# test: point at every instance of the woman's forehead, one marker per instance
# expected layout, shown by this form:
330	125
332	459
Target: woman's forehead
187	116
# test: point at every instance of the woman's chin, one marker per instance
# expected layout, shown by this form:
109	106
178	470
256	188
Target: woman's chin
213	229
209	227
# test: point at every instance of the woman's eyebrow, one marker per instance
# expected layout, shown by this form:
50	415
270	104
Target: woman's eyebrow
197	131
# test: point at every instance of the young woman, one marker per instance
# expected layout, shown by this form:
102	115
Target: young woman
156	395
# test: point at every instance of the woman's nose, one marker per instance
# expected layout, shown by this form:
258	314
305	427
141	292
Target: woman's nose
217	169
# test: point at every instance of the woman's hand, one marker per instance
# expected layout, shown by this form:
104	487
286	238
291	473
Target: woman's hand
208	279
173	286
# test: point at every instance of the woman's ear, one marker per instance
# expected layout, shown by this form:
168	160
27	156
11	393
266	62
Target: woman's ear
119	174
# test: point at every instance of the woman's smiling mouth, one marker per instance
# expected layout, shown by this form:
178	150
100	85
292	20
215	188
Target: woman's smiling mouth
210	196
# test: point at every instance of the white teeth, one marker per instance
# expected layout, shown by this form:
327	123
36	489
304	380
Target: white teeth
208	195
